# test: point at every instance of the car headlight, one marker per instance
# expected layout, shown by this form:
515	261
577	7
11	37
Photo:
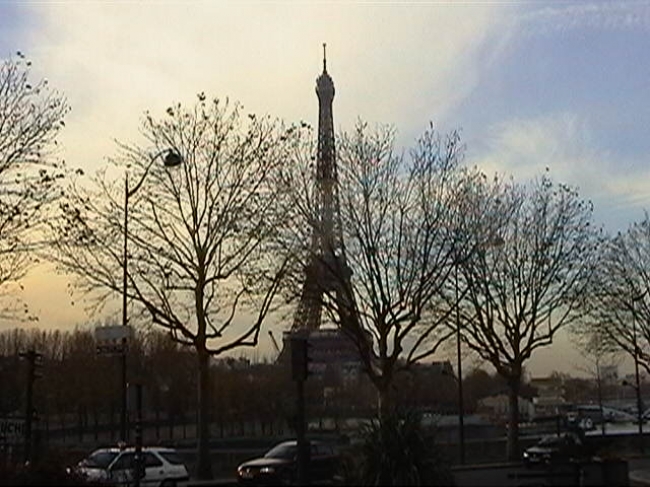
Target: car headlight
267	470
526	455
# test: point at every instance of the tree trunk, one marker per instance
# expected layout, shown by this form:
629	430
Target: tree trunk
384	398
204	466
513	422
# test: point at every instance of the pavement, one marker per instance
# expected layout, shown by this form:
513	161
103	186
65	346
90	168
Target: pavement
208	483
640	478
639	469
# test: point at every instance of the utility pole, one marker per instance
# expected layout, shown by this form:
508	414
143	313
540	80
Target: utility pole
33	362
299	372
139	464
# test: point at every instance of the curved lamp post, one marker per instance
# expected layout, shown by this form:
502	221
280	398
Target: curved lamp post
459	380
637	387
494	241
171	159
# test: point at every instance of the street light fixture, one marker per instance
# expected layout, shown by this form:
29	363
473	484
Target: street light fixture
492	242
637	387
171	159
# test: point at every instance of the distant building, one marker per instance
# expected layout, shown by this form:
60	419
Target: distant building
331	351
549	400
428	387
440	367
609	374
497	408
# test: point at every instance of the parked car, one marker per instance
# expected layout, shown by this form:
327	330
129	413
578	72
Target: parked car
563	448
279	465
162	466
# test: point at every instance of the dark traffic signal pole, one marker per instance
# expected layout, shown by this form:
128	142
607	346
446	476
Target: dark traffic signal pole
138	460
299	372
33	362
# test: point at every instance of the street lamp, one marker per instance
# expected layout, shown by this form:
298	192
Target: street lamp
637	387
639	406
492	242
461	406
172	159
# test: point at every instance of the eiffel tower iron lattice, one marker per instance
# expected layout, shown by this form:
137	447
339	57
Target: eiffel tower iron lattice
327	270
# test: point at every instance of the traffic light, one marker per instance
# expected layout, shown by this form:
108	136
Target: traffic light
34	363
300	358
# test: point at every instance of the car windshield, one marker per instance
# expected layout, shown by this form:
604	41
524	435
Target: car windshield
99	459
283	450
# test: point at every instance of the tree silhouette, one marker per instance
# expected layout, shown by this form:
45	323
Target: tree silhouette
534	255
31	116
200	262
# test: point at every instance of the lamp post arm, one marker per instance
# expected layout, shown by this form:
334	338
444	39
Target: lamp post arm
123	379
135	189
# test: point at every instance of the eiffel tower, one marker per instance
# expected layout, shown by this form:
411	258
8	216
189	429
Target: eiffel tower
327	271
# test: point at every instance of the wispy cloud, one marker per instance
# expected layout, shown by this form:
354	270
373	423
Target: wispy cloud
566	17
563	144
560	142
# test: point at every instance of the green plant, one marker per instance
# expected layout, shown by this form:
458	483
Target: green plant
396	451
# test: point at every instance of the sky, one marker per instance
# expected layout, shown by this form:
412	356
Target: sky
531	85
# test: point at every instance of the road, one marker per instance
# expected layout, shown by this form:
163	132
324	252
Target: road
585	475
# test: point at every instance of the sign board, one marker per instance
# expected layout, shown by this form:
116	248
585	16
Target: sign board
12	430
112	339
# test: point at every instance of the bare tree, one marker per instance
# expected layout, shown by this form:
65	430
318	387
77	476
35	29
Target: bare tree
598	351
31	116
533	258
199	238
395	217
618	303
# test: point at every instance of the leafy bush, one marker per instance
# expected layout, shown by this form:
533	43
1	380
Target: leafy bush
396	451
50	470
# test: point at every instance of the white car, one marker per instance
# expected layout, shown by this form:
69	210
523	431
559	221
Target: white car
162	466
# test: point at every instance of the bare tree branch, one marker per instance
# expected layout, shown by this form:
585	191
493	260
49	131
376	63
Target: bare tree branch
31	116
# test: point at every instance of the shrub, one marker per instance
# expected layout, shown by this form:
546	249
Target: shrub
396	451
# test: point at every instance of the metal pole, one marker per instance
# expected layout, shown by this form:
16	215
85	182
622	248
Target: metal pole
461	412
639	411
123	426
172	159
139	470
600	397
29	410
303	451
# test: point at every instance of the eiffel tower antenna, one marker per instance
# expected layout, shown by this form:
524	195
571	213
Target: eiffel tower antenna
324	57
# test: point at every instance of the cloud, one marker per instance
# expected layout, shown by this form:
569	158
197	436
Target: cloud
567	17
391	63
563	143
526	147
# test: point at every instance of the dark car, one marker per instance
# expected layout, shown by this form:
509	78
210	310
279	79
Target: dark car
279	465
563	448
